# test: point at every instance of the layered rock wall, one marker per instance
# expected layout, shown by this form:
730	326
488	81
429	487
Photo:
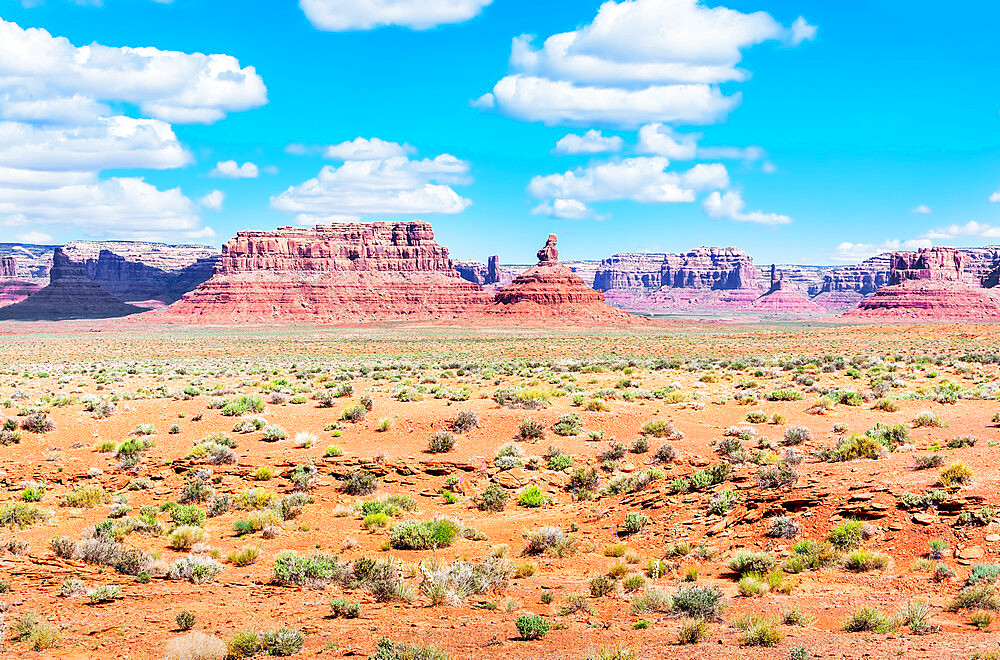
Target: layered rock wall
930	284
340	272
69	295
701	268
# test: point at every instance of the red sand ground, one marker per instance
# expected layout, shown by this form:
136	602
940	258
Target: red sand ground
140	624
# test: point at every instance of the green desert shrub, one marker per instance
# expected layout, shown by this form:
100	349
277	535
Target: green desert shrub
532	626
438	532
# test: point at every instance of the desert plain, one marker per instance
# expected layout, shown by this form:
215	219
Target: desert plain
683	490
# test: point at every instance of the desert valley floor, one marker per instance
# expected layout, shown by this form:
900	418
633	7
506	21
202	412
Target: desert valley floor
804	490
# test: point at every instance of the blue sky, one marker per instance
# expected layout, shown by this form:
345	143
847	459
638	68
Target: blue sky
827	132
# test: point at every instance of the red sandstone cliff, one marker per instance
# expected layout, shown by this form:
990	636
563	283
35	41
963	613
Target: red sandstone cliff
349	272
930	284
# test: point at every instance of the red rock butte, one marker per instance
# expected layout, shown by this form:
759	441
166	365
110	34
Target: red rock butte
551	289
930	284
349	272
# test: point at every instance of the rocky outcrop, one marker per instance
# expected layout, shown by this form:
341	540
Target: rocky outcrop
550	289
147	274
347	272
147	286
702	268
704	280
785	300
69	295
864	278
933	264
930	284
150	274
838	302
31	262
982	262
14	291
487	275
807	280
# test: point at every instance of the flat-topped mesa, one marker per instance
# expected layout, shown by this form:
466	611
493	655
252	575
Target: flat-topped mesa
550	289
937	263
331	273
930	284
709	268
720	269
703	280
375	246
69	295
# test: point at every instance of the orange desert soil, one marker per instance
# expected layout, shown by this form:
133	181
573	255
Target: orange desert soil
65	360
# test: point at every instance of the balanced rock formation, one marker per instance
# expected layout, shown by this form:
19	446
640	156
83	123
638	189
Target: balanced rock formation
69	295
785	300
345	272
930	284
550	289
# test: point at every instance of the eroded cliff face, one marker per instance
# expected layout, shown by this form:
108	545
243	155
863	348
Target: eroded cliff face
491	274
69	295
339	272
135	281
8	267
703	280
930	284
151	274
720	269
864	278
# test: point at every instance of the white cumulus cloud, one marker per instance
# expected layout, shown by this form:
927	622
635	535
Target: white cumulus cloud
367	149
566	209
59	129
591	142
923	209
662	140
849	252
642	179
730	205
346	15
995	197
169	85
213	200
638	61
971	228
379	186
230	169
119	206
36	237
